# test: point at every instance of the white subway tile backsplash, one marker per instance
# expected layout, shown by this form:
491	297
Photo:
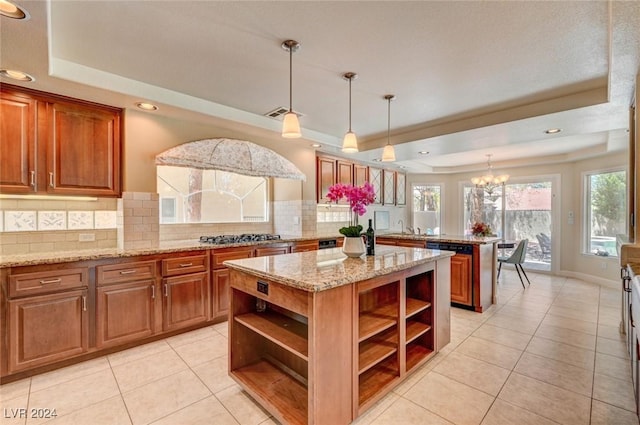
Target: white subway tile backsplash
52	220
20	221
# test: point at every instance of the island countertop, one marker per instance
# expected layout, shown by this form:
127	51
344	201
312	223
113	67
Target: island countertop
316	271
467	239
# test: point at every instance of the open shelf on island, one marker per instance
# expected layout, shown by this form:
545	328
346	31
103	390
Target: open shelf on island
271	385
377	348
417	354
416	329
376	379
415	306
284	331
375	321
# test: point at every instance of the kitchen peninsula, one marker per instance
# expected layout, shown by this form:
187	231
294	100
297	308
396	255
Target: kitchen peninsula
317	338
473	268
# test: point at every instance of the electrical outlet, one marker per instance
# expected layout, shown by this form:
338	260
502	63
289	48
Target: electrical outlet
87	237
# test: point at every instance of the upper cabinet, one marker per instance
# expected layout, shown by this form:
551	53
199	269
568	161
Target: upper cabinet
401	189
389	187
360	174
375	178
326	172
55	145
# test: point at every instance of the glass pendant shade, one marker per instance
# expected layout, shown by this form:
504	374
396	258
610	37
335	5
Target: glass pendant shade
350	142
388	154
291	126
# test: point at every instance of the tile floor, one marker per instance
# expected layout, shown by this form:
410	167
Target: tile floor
546	355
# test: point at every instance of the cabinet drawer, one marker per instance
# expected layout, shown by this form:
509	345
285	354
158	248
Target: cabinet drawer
220	256
185	265
277	249
47	281
125	272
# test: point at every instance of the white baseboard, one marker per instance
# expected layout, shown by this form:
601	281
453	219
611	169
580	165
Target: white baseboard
611	284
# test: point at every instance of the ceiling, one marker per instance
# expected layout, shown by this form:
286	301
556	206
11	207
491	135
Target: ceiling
471	78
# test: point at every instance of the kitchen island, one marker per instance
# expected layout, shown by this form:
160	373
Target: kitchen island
318	338
473	268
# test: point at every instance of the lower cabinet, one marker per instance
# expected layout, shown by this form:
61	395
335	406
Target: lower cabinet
125	312
47	328
461	269
184	300
220	298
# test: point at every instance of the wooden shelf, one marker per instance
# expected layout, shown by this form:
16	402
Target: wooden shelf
415	329
276	388
376	321
416	306
377	379
377	348
417	354
282	330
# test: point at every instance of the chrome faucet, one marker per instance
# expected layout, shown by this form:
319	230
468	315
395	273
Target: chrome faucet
419	231
401	223
410	229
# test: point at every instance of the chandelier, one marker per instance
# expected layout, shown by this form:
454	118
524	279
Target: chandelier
488	180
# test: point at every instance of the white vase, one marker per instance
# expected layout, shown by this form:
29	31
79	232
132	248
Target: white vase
353	246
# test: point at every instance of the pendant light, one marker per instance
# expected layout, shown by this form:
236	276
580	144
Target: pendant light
350	142
389	153
290	125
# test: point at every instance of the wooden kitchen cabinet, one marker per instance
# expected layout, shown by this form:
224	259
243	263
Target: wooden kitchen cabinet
461	268
276	249
388	187
326	172
401	189
375	178
360	174
344	172
185	300
304	246
57	145
220	278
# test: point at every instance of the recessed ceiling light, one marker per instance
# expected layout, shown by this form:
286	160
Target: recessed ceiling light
377	159
402	166
424	152
147	106
12	11
553	130
16	75
316	145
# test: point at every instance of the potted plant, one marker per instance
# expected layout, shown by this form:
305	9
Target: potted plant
359	197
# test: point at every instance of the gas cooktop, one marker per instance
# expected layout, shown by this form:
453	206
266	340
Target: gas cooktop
246	237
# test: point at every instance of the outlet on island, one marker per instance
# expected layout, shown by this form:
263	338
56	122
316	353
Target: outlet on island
87	237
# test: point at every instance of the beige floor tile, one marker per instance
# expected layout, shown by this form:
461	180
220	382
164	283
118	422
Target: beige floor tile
14	411
423	371
614	391
503	336
523	313
203	350
15	389
613	366
108	412
478	374
136	353
407	413
611	332
241	406
204	412
527	326
612	347
164	396
609	316
605	414
148	369
269	421
222	328
586	316
576	356
503	413
496	354
376	410
69	396
569	323
214	374
560	374
68	373
591	308
560	405
567	336
190	337
444	397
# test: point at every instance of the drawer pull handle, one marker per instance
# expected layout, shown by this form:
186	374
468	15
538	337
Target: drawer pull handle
132	271
633	325
153	292
186	264
50	281
33	179
50	178
84	303
166	291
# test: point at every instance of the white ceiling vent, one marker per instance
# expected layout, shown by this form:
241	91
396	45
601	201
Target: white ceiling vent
279	112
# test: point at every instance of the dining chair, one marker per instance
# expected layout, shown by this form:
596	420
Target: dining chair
516	258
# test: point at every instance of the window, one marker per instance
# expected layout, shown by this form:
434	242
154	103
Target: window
189	195
483	205
426	208
605	215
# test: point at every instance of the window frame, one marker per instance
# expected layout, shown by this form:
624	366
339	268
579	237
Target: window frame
441	212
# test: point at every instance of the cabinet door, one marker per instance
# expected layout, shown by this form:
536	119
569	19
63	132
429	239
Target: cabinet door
461	279
360	174
17	143
326	177
389	187
184	300
401	188
304	246
410	243
220	298
83	153
125	312
345	172
272	250
375	178
47	328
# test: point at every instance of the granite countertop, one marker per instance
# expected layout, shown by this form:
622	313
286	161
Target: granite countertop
467	239
163	247
316	271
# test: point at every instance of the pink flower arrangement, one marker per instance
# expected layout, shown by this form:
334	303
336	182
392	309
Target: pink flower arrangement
358	196
481	229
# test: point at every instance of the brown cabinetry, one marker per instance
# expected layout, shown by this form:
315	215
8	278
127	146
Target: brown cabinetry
360	174
461	268
304	246
57	145
277	249
220	278
345	172
185	291
325	176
